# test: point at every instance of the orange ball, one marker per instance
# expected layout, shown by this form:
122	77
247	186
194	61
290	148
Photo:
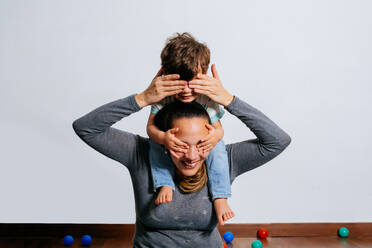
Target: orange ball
263	233
224	245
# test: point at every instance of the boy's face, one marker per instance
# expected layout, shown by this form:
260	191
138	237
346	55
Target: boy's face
187	94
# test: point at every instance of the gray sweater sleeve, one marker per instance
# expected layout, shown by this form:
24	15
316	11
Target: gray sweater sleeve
249	154
95	129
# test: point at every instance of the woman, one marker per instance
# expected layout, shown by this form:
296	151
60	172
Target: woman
189	220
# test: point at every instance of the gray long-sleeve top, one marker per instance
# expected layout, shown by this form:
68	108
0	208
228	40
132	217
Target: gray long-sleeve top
189	220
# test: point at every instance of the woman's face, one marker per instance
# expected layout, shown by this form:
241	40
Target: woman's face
190	131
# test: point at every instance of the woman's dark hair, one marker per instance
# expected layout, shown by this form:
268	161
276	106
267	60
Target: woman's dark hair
177	109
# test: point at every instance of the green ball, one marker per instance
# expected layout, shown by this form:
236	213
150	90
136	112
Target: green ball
256	244
343	232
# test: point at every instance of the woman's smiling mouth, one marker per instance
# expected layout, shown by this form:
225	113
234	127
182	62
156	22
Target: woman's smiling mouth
189	165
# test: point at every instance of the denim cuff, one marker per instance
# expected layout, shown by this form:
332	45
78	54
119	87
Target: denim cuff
220	196
163	184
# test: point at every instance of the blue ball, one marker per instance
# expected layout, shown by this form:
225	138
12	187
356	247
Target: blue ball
256	244
228	237
86	240
68	240
343	232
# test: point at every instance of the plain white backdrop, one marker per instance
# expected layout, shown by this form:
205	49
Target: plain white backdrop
305	64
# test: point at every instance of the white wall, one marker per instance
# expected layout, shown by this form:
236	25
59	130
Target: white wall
305	64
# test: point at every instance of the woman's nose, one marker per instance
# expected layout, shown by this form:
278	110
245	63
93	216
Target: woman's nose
192	153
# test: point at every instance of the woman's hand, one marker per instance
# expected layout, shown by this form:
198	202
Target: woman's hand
211	87
173	144
160	87
209	141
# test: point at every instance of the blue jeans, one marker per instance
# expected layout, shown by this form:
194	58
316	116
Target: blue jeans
162	169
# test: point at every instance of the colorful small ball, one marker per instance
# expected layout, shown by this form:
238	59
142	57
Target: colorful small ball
228	237
86	240
262	233
68	240
256	244
343	232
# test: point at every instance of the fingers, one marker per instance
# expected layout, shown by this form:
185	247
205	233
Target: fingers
207	137
174	83
220	221
173	88
175	140
209	127
199	82
204	77
201	91
214	72
180	143
170	77
228	215
206	148
201	86
206	144
178	149
174	130
171	93
174	154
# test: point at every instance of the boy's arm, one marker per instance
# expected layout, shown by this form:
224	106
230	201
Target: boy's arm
218	130
168	139
154	132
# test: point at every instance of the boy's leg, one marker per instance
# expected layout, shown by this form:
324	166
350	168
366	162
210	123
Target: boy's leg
162	167
218	172
219	181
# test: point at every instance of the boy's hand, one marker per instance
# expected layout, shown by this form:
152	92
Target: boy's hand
209	141
211	87
160	87
173	144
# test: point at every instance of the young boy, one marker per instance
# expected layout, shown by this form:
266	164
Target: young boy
187	57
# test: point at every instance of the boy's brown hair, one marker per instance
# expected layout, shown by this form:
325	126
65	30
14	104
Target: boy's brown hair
184	55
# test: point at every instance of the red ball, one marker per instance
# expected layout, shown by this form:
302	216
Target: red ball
224	245
263	233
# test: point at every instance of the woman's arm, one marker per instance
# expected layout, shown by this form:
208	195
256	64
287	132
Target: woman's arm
95	130
244	156
271	139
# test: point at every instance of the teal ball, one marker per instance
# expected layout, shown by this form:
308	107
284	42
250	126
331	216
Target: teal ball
343	232
256	244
